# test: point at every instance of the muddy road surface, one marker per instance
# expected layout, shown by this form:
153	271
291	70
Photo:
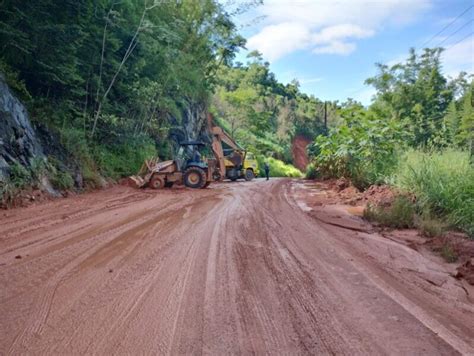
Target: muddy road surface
238	268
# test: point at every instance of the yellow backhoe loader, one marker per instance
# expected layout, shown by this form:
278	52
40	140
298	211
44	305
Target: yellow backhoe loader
230	161
187	168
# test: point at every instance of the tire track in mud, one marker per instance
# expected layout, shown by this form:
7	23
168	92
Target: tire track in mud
58	255
236	269
43	224
58	273
293	286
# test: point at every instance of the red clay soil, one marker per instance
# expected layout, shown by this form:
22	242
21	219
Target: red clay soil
340	192
298	150
239	268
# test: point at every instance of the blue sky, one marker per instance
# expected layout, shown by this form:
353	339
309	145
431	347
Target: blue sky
331	46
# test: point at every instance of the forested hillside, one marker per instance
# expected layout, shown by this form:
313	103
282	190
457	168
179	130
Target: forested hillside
264	113
116	81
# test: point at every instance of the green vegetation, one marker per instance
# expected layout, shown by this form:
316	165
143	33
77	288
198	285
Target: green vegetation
430	227
311	171
418	135
363	147
448	252
400	214
263	113
443	184
281	169
124	159
105	75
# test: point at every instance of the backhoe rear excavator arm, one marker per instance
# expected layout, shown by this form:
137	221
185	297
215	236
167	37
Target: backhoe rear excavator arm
219	136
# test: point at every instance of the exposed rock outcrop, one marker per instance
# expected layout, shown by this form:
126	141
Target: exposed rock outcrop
18	141
192	125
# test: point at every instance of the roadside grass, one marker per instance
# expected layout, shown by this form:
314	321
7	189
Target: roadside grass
60	179
431	227
443	184
311	171
448	252
124	159
400	214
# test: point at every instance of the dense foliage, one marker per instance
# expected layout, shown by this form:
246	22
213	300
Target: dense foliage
362	147
415	106
265	114
110	71
435	111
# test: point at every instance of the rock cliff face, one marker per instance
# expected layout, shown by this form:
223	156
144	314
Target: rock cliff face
18	141
193	124
22	143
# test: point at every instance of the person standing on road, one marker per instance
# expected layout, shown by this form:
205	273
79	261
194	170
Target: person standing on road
266	167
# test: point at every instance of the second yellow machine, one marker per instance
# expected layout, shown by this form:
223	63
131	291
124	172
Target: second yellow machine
237	162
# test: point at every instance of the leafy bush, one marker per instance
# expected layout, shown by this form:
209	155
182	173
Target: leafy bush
430	227
8	192
59	178
443	184
399	215
39	167
12	78
311	171
363	148
278	168
19	176
62	180
124	159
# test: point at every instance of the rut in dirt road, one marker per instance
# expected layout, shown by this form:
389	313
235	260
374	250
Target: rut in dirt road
238	268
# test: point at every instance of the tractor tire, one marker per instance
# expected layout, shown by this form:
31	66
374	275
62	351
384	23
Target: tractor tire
194	177
157	181
249	175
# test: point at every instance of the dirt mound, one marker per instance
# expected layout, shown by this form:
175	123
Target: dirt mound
343	191
298	151
379	195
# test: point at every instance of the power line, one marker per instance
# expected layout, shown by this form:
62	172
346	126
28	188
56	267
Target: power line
451	35
447	26
462	39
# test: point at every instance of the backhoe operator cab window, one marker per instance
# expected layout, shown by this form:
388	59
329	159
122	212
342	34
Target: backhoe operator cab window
180	153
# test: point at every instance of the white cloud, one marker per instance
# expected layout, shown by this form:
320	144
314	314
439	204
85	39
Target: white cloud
342	48
275	41
339	32
327	26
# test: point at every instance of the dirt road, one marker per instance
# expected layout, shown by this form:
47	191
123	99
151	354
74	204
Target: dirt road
239	268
